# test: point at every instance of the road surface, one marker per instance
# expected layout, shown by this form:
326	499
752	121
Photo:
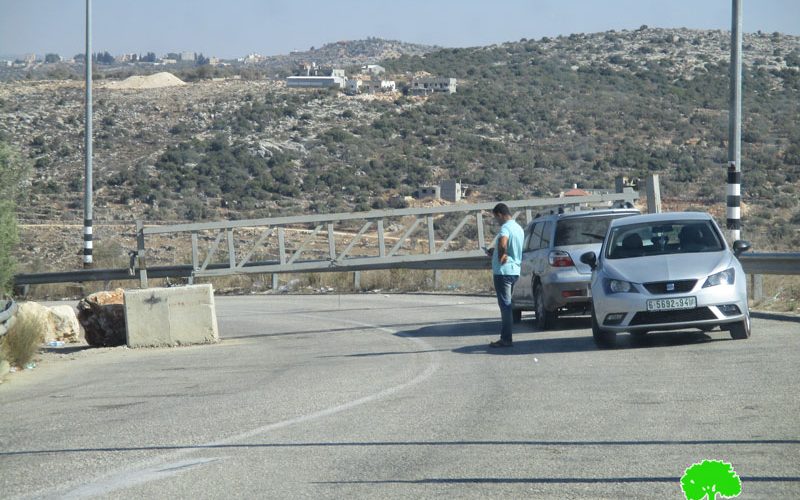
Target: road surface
398	396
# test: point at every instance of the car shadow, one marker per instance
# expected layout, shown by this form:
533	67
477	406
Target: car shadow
560	338
775	316
584	343
564	322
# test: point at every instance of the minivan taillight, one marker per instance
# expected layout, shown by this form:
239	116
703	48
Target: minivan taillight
559	258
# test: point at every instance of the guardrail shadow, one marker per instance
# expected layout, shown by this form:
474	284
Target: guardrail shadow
68	349
775	316
321	445
467	327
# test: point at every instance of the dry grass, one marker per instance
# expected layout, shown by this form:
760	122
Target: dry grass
21	343
781	294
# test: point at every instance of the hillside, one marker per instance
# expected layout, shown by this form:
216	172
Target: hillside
529	119
347	53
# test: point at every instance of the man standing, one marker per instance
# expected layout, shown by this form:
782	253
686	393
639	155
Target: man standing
506	258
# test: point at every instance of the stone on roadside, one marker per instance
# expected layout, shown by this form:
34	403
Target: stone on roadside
65	322
40	315
102	316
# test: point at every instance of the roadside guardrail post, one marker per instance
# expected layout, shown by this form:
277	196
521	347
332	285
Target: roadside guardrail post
140	254
757	286
653	194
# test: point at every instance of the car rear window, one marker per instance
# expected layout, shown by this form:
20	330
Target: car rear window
583	231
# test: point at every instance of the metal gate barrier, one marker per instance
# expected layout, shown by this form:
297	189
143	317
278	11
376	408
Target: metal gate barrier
446	237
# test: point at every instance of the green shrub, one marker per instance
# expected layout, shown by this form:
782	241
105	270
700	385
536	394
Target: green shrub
13	171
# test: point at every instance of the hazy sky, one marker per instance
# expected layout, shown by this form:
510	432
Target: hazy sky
233	28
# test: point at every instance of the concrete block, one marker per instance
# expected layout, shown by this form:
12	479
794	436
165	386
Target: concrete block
156	317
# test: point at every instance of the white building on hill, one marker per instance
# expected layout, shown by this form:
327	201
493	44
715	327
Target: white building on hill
315	82
430	84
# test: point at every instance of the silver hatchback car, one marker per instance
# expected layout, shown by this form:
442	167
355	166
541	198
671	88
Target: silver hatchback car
667	271
552	279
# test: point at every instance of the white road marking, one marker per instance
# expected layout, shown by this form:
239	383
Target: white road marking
169	465
139	476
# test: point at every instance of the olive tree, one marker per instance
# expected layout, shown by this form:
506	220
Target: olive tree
13	173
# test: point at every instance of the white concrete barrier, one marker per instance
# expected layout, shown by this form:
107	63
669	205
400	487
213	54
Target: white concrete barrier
156	317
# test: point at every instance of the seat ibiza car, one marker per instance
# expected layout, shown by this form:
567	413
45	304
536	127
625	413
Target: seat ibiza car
552	279
667	271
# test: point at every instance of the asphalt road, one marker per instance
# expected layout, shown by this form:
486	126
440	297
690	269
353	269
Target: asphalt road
399	397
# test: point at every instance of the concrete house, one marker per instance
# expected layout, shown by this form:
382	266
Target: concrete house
427	85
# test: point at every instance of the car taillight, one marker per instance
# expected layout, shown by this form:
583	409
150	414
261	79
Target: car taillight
560	258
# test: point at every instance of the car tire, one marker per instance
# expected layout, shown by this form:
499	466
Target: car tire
544	318
604	339
516	315
741	330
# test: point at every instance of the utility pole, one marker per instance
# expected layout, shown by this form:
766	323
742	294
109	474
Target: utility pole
87	192
734	193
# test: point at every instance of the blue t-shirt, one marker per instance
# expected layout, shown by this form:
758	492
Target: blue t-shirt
515	236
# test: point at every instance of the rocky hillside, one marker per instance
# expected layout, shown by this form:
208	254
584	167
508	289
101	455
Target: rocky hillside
529	119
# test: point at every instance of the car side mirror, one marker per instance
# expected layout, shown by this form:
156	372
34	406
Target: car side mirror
590	259
740	246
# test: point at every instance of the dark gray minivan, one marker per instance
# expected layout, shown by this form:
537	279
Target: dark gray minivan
553	281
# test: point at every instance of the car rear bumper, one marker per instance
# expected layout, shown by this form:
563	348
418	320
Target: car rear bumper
567	290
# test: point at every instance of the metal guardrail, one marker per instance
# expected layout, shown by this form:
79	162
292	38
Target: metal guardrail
770	263
427	252
753	263
7	316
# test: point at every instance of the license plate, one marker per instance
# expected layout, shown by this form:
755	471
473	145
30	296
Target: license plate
672	304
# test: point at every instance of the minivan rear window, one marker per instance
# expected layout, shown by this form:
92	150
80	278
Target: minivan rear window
583	231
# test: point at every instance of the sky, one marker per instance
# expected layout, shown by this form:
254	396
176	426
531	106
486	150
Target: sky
235	28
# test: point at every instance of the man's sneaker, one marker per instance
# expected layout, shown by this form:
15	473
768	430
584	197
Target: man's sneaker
501	343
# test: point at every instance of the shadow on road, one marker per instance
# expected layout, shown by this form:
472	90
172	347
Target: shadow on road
461	329
561	338
389	444
554	480
775	316
69	349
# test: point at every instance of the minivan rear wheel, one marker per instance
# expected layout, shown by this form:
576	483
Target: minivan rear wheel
544	318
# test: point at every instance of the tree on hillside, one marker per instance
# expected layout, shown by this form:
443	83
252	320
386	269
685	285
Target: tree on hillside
13	172
103	58
52	58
